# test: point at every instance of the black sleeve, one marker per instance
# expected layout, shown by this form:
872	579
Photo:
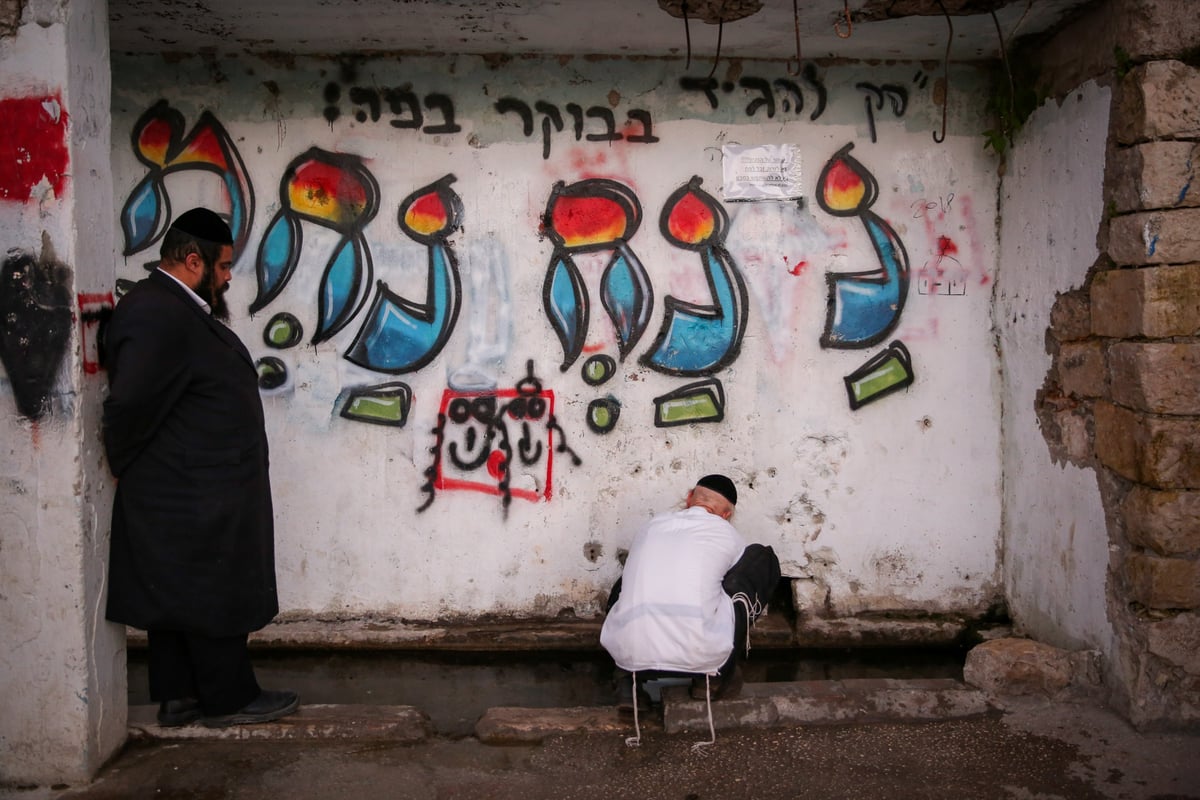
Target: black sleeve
613	594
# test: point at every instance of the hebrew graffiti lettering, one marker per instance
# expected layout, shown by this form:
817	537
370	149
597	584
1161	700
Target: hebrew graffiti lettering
589	216
700	338
763	92
335	191
402	335
404	106
863	307
552	122
159	143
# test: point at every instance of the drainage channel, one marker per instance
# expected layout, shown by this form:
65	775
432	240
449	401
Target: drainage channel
455	689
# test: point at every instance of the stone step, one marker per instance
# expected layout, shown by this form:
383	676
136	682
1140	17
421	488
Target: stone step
361	722
826	703
759	705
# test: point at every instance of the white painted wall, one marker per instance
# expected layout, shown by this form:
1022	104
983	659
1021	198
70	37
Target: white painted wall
893	506
1056	539
62	680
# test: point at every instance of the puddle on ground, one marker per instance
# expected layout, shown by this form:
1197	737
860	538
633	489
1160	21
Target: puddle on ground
456	688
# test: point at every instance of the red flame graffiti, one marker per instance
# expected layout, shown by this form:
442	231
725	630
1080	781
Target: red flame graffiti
583	220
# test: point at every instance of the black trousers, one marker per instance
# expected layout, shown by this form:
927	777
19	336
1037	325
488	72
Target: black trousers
750	582
215	670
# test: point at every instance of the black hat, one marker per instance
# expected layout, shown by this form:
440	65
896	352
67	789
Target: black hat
721	485
203	224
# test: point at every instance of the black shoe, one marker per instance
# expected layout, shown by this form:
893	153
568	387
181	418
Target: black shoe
723	688
624	696
267	706
176	713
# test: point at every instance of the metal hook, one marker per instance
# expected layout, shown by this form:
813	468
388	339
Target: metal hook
796	20
946	73
720	35
837	25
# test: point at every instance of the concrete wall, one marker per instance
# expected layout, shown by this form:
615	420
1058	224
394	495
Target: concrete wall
1056	540
890	506
62	680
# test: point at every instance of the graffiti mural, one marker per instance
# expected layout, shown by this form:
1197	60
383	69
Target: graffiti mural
489	310
888	372
603	413
590	216
33	148
702	401
401	335
699	339
944	273
383	404
159	143
481	438
95	309
335	191
35	326
775	244
863	307
282	331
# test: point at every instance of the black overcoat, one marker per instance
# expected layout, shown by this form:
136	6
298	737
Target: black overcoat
192	528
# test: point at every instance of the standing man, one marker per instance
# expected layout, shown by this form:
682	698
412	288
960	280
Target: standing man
192	560
690	590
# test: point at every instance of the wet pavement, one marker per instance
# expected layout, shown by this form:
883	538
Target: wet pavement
1033	748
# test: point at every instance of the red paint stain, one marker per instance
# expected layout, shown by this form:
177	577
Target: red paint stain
33	146
92	308
496	464
945	246
796	270
594	348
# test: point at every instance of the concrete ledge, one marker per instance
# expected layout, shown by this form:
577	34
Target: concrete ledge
512	725
826	703
362	722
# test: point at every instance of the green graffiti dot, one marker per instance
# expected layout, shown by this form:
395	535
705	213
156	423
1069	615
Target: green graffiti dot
283	331
601	417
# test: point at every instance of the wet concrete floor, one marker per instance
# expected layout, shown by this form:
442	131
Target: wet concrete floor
1034	749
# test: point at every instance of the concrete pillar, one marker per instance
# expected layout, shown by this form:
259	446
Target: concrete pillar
62	674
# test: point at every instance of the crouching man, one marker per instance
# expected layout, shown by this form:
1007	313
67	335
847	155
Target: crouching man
689	593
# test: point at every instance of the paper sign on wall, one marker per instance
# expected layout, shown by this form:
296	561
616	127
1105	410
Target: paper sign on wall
760	172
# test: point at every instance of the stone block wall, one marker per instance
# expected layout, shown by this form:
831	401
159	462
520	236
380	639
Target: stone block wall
1139	367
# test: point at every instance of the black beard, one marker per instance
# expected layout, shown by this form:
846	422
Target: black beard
215	299
220	309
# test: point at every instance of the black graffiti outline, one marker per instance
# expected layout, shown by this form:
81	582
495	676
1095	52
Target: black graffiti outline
528	389
552	122
402	103
896	94
809	75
